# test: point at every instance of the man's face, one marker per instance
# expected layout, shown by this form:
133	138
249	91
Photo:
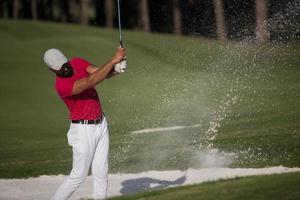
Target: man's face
66	71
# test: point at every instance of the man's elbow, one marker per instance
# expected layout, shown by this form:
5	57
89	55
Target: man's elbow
82	86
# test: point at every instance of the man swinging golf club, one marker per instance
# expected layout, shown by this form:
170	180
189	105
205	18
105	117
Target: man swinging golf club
88	133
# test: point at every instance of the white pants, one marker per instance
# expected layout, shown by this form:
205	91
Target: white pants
90	143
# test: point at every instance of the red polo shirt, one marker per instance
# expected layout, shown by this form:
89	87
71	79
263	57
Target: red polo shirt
85	105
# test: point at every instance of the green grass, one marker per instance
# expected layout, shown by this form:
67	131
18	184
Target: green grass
271	187
251	92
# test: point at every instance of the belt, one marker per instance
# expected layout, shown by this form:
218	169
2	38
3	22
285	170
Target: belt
84	121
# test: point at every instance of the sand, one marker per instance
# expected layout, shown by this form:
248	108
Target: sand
43	187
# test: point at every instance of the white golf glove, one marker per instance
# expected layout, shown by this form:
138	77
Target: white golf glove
121	66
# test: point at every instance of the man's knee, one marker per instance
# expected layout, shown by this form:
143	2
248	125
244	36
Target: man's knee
100	171
78	175
81	163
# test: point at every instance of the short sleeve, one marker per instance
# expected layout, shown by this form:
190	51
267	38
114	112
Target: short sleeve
81	63
65	87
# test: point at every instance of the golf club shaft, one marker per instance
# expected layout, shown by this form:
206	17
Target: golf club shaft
120	24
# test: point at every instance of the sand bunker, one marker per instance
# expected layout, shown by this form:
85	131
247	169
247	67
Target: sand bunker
120	184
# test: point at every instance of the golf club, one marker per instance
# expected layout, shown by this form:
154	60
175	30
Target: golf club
120	24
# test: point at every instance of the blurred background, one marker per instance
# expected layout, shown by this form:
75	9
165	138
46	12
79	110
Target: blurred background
219	19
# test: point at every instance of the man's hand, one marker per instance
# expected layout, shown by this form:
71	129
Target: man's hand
119	56
121	66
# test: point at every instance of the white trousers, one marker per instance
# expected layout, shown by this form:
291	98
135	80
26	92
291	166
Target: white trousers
90	144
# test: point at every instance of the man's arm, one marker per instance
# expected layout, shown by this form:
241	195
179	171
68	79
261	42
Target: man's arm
98	75
91	69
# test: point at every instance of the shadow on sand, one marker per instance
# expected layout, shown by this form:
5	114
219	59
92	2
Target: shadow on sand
145	183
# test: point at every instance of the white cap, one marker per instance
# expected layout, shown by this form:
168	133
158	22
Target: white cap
55	59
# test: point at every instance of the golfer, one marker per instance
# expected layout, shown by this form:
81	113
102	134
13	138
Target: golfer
88	133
